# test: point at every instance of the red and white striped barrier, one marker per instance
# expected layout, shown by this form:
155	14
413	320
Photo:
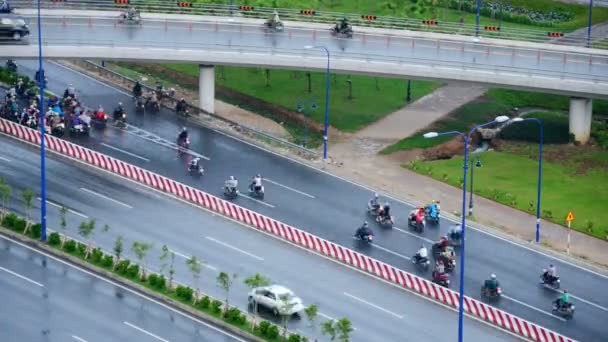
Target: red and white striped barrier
372	266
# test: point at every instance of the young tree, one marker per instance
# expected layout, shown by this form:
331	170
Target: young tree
118	248
140	249
252	282
329	328
106	228
344	327
28	197
86	230
163	259
5	190
285	306
312	312
63	211
195	266
224	281
171	269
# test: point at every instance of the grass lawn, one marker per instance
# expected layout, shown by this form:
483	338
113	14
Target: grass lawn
403	8
574	178
372	98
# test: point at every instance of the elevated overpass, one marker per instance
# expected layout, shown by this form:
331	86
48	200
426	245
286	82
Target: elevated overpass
209	41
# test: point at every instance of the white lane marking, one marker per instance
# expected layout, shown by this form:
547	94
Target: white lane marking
20	276
161	141
234	248
187	258
581	299
80	339
390	251
256	200
5	159
61	206
125	152
289	188
533	307
414	235
106	197
145	331
373	305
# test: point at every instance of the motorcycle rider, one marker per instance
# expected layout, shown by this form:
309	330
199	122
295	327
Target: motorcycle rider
137	91
439	268
374	203
159	89
564	300
385	213
195	164
343	25
550	275
363	231
491	284
421	254
5	7
231	184
181	106
119	111
152	99
183	135
256	184
434	209
99	113
69	91
132	13
274	20
455	232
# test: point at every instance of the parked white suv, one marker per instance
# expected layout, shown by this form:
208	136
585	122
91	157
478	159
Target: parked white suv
277	298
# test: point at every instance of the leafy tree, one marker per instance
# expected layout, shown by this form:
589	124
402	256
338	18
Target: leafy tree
118	248
106	228
28	197
86	230
163	259
344	327
329	328
63	211
224	281
252	282
195	266
140	249
171	269
311	313
285	306
5	189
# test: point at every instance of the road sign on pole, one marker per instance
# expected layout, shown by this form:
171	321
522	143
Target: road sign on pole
569	219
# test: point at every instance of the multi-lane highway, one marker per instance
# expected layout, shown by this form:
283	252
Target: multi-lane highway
44	299
379	312
332	208
75	35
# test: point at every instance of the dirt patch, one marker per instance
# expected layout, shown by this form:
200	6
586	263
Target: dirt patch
404	157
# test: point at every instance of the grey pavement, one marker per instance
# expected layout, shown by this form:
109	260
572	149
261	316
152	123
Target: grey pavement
46	300
294	191
379	311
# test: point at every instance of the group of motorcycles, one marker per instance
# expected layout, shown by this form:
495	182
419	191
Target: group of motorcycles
342	29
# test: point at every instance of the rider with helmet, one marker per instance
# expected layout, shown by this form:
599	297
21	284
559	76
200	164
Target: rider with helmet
181	106
550	274
256	183
231	184
564	300
374	203
421	254
137	89
363	232
118	111
491	284
385	213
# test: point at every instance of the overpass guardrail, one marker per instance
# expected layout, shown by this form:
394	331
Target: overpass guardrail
314	16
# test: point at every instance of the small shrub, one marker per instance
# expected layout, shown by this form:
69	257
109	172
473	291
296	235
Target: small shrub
294	338
216	306
70	246
82	248
161	283
54	239
263	327
133	271
589	225
548	214
184	292
96	255
531	207
19	225
9	220
153	279
444	178
273	332
204	303
36	231
107	261
122	266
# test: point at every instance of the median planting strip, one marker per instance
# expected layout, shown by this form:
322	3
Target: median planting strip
376	268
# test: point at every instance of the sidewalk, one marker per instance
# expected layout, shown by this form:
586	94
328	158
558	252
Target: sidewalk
357	159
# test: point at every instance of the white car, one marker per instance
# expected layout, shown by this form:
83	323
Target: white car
277	298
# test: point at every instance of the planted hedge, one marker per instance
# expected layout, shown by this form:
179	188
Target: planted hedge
555	129
153	281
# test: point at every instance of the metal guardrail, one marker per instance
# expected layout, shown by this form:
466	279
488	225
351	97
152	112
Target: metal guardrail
159	6
198	111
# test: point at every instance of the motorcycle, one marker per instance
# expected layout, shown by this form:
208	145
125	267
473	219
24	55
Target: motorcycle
99	119
256	191
154	105
272	25
566	311
490	294
81	128
442	279
372	211
195	167
185	112
421	262
125	18
183	143
342	32
413	222
121	122
552	283
45	80
434	219
11	65
230	192
140	103
368	238
385	220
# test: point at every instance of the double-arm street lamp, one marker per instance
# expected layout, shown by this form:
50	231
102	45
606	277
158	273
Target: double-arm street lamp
326	99
466	138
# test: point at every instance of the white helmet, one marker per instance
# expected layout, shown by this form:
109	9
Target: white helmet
493	276
231	177
376	195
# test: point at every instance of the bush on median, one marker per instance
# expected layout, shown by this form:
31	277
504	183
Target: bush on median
54	239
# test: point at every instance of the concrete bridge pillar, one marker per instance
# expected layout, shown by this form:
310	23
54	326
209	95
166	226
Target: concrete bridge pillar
206	88
580	118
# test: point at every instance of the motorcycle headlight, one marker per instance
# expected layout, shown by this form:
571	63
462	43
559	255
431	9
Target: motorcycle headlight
572	307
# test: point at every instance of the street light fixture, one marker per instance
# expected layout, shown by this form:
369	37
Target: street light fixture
325	132
466	138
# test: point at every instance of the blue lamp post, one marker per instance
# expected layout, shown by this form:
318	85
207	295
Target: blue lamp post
589	23
477	17
540	171
499	119
326	99
41	124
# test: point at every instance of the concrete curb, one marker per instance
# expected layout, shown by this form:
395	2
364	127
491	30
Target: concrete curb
472	307
142	290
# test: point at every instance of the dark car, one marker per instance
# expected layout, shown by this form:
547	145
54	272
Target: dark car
13	27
